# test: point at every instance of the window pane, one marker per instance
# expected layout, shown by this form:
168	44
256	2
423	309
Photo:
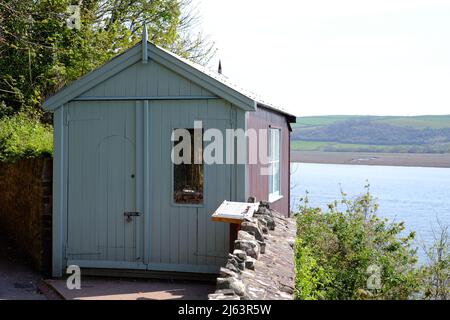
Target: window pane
270	144
270	178
276	145
188	177
276	178
275	150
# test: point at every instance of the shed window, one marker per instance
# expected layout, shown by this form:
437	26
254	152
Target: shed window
188	177
274	164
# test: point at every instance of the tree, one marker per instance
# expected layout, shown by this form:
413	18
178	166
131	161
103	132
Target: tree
40	54
348	252
436	272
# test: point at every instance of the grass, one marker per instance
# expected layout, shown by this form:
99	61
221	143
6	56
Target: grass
301	145
320	121
419	122
306	125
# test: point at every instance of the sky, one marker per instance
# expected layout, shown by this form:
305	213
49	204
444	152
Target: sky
327	57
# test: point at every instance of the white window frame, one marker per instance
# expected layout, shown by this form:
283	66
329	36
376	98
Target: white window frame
274	148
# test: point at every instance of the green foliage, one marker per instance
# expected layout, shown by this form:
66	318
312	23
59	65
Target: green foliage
311	280
24	136
436	281
418	122
40	54
325	146
337	249
317	121
419	134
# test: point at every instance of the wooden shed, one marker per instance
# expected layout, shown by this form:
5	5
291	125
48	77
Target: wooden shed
119	201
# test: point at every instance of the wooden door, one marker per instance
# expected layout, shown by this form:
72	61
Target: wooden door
104	218
182	236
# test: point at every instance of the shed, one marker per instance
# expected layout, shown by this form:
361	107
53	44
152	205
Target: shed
119	202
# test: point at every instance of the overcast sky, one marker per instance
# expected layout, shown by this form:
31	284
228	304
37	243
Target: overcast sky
317	57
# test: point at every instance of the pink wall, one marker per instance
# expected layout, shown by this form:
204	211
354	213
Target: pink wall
259	184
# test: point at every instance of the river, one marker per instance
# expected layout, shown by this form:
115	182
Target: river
419	196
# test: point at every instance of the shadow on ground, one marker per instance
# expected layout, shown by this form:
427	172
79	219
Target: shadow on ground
93	288
18	280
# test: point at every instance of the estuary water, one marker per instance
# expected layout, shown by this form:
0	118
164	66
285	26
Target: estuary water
418	196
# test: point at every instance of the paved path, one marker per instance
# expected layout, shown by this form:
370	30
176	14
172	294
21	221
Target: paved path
18	281
129	289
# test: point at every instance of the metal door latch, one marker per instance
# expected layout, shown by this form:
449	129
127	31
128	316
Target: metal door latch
131	214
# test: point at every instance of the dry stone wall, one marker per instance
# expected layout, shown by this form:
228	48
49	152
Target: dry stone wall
261	265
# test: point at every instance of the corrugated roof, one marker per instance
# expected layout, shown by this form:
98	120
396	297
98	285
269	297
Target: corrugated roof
226	81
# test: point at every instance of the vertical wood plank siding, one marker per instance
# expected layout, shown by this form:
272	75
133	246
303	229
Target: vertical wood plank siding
259	184
185	234
151	79
112	156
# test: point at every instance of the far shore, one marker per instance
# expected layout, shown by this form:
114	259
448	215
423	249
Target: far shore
376	159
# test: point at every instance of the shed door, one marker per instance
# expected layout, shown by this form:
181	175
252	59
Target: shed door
183	236
104	221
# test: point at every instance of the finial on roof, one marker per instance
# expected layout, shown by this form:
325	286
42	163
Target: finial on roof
144	44
219	70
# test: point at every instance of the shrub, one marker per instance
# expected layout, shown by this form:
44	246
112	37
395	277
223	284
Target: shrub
311	279
24	136
436	282
351	253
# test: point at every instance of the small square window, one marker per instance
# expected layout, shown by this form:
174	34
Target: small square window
189	177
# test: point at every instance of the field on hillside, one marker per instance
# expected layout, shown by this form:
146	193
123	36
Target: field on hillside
389	134
419	122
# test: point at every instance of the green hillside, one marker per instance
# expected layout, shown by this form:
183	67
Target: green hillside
416	121
418	134
419	122
320	121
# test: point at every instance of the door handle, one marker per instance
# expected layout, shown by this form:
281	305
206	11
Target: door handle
130	214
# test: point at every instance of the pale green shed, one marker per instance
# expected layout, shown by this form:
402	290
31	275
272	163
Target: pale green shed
119	202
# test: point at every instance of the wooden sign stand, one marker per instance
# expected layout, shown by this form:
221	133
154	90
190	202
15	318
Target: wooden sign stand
234	213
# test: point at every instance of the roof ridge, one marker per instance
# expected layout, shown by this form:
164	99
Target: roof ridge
226	81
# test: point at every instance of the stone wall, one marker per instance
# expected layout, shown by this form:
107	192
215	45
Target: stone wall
261	266
26	208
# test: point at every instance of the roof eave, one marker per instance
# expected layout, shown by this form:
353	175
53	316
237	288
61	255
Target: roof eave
202	79
132	56
290	117
91	79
